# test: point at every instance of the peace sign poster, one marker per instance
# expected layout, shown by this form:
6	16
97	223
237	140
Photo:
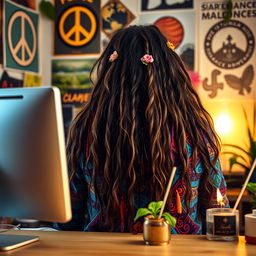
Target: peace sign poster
77	28
21	38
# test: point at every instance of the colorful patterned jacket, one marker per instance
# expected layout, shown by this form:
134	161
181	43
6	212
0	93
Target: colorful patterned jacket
86	213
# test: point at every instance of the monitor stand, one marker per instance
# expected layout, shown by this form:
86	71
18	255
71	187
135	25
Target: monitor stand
9	242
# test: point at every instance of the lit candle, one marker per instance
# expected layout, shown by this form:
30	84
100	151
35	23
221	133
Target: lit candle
220	199
222	223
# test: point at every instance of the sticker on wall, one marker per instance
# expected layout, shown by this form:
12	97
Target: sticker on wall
115	15
27	3
77	27
32	80
21	38
9	82
1	32
155	5
70	75
179	28
227	60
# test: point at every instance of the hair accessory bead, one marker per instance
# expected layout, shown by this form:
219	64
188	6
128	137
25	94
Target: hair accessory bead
147	59
113	56
170	45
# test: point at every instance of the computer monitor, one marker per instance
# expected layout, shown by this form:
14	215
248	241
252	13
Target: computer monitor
33	168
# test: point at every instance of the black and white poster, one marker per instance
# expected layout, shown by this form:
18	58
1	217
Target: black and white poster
227	58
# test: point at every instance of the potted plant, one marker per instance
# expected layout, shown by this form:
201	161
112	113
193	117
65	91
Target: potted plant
244	156
155	231
252	188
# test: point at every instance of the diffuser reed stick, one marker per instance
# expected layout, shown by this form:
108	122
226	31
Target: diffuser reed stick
167	191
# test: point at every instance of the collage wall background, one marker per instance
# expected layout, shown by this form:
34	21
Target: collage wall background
220	57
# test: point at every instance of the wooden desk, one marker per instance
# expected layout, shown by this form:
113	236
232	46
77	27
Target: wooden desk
113	244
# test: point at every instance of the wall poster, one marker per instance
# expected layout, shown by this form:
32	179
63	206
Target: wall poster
21	38
77	29
26	3
6	81
72	77
115	15
32	80
227	59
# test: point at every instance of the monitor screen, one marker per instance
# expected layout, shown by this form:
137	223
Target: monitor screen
33	169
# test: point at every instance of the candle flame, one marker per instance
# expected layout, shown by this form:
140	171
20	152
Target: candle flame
220	198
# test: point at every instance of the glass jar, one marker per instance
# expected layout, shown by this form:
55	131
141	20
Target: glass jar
222	224
156	231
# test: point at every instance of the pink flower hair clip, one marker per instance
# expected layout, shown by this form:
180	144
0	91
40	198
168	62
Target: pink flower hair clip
113	56
170	45
147	59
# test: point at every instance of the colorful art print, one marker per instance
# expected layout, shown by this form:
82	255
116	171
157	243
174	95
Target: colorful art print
9	82
155	5
20	38
32	80
70	75
77	27
115	15
27	3
1	32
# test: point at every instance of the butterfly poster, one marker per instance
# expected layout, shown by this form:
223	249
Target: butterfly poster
227	57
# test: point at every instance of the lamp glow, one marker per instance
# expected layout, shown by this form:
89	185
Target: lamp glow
223	124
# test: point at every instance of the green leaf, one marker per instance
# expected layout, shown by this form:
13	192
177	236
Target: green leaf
142	212
252	150
237	156
228	14
155	207
47	9
237	147
251	187
232	161
242	165
169	218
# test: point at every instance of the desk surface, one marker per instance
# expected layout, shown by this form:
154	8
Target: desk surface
84	243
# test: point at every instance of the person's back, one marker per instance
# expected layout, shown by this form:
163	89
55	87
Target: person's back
143	118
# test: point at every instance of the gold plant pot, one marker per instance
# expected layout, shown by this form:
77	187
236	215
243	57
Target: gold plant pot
156	232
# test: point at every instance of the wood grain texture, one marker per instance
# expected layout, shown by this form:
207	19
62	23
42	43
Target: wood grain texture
112	244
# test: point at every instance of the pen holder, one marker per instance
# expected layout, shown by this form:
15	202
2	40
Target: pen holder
156	232
222	224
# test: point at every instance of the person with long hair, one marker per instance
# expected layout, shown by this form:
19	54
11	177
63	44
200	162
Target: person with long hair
142	119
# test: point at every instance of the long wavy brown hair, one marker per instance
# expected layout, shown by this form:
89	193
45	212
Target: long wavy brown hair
129	120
